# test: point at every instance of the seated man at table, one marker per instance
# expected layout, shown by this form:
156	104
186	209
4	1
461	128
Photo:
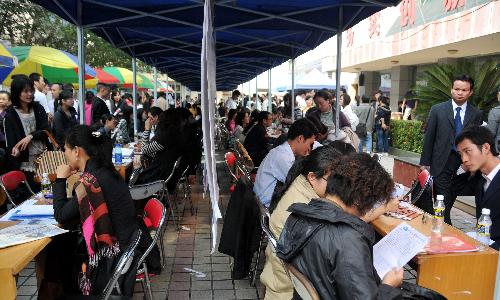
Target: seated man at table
278	162
257	140
476	147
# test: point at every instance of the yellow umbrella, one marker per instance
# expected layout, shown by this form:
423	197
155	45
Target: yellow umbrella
53	64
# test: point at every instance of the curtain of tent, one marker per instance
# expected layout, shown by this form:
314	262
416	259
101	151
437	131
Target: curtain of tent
208	94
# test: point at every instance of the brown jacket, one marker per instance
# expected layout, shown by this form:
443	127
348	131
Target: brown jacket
278	285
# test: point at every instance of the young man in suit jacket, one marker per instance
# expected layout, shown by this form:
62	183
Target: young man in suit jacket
446	121
476	147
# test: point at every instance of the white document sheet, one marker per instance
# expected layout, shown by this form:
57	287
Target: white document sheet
127	152
397	248
20	234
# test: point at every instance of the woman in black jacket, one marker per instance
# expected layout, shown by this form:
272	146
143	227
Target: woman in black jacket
165	148
101	201
24	123
65	117
330	241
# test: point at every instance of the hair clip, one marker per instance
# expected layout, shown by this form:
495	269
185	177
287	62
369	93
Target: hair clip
96	134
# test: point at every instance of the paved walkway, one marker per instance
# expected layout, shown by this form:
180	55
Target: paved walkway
190	248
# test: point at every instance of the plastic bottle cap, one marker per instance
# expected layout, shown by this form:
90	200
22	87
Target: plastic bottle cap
485	211
440	197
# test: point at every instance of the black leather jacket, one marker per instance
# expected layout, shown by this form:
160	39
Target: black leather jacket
333	249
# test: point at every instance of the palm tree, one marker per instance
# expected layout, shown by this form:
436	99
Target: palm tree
438	84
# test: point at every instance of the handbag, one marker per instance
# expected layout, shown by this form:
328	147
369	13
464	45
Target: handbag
48	160
361	128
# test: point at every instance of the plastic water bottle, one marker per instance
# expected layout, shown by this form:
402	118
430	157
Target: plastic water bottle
437	223
46	186
118	154
483	228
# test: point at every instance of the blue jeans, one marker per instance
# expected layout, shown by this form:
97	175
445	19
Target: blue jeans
382	140
366	141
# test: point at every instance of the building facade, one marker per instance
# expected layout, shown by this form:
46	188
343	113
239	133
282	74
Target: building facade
393	47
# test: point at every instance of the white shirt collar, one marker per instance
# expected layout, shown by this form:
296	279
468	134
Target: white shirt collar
463	106
492	174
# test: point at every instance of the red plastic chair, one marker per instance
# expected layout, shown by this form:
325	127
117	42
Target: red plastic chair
230	158
155	215
11	181
231	164
423	179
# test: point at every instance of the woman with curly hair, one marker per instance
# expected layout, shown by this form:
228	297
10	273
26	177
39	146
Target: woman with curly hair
330	241
306	180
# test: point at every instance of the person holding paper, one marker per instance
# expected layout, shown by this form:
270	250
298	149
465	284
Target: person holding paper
330	241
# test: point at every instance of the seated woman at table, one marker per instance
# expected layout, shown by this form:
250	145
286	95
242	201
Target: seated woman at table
330	241
242	120
109	123
305	181
102	202
160	154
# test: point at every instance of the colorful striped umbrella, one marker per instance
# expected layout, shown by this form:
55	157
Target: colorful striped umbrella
54	65
105	77
7	62
147	84
102	77
124	76
164	87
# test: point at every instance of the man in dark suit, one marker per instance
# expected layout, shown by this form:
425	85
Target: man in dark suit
99	107
476	147
446	121
257	140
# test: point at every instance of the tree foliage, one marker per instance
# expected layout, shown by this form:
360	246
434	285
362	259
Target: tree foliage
26	24
437	84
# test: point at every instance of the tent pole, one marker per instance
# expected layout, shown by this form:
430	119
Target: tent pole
155	75
134	94
175	93
293	89
269	95
81	72
257	91
182	95
338	69
250	94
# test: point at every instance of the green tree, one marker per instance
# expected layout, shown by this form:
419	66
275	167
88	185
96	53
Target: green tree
437	84
26	24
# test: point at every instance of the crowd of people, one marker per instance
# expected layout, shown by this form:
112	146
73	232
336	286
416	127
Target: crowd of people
322	191
101	206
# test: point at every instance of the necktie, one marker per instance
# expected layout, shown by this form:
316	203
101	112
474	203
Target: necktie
458	121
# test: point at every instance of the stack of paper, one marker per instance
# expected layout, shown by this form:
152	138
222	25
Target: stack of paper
32	212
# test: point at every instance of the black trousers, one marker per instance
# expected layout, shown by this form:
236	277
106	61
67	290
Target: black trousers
448	184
